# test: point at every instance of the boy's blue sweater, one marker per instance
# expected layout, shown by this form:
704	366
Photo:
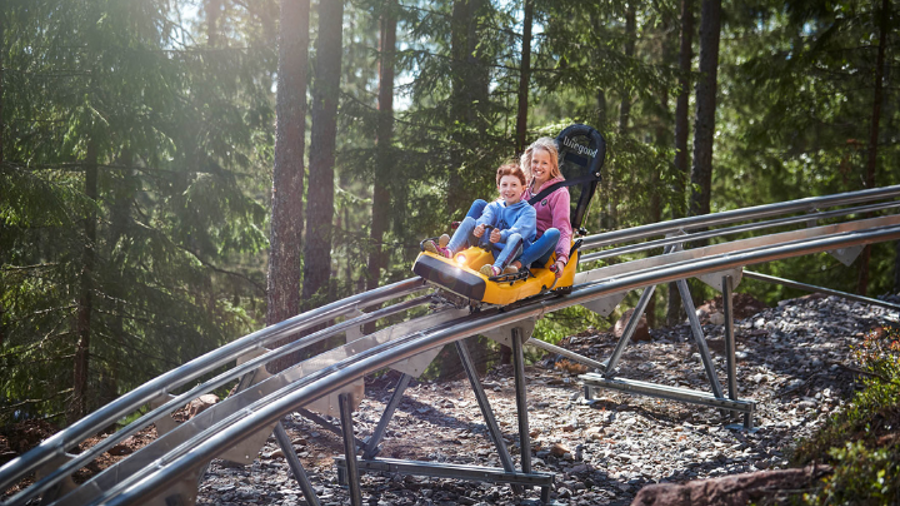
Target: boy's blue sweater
520	218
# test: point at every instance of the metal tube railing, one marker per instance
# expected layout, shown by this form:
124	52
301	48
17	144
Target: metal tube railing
58	444
722	232
83	458
162	385
207	445
726	217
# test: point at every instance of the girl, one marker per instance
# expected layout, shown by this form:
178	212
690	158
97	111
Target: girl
554	227
511	221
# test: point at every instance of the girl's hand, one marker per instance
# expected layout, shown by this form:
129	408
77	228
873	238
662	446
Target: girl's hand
557	268
479	231
495	235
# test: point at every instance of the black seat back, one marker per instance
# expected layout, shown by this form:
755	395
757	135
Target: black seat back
582	151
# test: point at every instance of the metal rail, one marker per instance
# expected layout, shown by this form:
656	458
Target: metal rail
819	289
57	446
81	459
151	481
722	232
738	215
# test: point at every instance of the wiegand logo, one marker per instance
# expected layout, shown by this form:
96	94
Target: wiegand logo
582	150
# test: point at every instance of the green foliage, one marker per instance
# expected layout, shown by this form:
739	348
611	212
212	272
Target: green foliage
861	443
862	476
176	132
178	110
556	326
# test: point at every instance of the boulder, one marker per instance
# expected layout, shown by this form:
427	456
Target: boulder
641	333
201	404
744	305
736	490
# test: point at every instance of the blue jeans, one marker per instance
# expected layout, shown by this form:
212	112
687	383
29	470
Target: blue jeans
539	252
477	208
463	237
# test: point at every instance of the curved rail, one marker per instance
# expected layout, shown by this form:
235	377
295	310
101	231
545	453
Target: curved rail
57	446
197	451
738	215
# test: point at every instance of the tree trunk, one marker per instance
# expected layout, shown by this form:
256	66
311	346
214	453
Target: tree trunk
863	281
674	311
213	10
705	123
320	196
630	36
79	406
2	123
470	86
524	78
381	201
283	279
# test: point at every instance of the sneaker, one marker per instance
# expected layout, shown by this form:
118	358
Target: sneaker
490	271
510	269
432	247
443	240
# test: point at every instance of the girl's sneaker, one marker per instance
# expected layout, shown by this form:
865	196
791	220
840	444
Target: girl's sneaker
510	269
490	271
432	247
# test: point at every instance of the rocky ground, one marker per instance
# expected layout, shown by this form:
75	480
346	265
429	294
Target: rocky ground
795	361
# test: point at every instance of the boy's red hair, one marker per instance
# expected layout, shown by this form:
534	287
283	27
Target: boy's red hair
510	169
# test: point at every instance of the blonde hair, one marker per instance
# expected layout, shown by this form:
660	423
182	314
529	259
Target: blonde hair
510	169
547	144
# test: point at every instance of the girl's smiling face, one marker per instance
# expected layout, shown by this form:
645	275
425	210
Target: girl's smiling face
511	190
540	166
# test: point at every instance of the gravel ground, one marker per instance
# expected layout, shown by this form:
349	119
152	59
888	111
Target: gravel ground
795	361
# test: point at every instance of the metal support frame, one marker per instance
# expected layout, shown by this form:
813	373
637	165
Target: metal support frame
594	381
717	399
552	348
699	338
444	470
521	400
818	289
629	330
349	466
371	445
296	467
486	411
350	450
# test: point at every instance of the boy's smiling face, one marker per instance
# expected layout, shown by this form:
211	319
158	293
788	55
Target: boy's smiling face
511	190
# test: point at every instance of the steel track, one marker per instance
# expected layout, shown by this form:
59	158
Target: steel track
189	449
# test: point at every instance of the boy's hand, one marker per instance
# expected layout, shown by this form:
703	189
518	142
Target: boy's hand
479	231
495	235
557	268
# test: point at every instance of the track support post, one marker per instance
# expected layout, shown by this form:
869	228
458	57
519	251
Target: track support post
486	411
296	467
371	446
350	450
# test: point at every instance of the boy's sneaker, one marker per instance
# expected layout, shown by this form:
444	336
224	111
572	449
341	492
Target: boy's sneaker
490	271
444	240
432	247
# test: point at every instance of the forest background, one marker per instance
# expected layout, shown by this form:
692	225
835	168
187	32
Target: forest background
152	208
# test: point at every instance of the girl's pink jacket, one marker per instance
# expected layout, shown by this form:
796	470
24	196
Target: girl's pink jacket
553	211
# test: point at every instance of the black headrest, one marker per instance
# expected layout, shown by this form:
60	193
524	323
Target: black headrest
582	151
